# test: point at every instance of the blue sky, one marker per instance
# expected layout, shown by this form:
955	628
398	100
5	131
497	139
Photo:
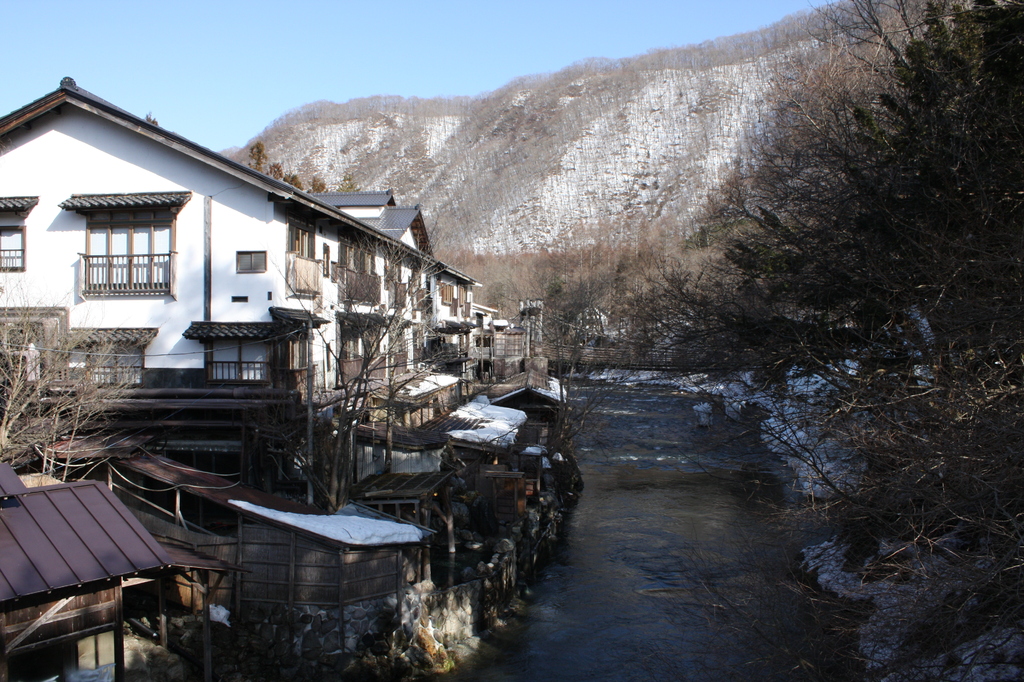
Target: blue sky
219	72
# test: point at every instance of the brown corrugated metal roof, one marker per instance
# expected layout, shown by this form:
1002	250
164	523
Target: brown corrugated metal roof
186	557
118	444
70	534
210	486
10	484
393	486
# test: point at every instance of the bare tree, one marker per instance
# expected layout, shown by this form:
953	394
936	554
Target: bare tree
874	243
54	380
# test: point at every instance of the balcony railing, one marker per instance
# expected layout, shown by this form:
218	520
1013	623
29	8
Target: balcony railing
149	273
12	260
114	375
303	275
238	372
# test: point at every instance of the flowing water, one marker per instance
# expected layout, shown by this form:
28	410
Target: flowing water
665	553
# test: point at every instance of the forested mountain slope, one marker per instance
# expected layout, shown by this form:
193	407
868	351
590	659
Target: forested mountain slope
613	146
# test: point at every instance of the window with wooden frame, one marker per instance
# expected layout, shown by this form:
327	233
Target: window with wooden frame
301	237
327	260
361	260
129	251
348	344
250	261
12	249
447	292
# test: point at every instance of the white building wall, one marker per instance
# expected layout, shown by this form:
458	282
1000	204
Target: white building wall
79	153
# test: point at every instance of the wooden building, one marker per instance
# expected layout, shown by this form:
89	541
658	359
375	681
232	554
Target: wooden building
64	551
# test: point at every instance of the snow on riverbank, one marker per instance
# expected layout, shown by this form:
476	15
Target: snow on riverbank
794	428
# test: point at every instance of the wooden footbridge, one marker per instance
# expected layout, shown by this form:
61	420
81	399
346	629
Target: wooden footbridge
609	357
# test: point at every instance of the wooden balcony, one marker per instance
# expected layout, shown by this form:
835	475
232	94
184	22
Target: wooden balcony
148	274
303	275
12	260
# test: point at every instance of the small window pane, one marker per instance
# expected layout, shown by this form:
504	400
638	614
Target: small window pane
98	242
140	243
251	261
161	240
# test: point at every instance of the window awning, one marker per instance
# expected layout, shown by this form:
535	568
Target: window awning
121	337
296	316
98	202
21	205
209	331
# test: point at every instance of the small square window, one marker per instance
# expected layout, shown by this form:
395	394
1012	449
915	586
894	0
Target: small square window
251	261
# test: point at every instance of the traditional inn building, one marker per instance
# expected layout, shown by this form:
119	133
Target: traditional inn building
203	271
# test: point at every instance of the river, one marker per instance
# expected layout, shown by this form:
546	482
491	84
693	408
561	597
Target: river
666	560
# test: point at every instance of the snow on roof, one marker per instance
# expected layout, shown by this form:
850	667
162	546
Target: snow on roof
553	391
497	425
429	384
347	526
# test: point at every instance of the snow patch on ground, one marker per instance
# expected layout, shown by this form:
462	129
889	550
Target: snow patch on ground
220	614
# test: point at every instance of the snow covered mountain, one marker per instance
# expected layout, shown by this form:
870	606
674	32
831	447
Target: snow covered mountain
612	146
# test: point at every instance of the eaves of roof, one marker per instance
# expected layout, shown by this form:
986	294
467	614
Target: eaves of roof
206	331
18	204
70	93
353	199
81	202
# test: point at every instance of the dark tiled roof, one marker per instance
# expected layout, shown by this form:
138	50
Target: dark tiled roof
17	204
296	316
395	221
132	337
79	202
353	199
204	331
70	534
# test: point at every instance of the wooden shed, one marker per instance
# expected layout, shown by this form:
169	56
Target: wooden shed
64	550
285	563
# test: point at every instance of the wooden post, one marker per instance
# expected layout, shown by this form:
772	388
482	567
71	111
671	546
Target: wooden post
207	641
449	515
291	573
3	647
341	599
118	634
161	600
238	562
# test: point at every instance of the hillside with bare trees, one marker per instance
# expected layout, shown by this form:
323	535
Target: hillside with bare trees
614	146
